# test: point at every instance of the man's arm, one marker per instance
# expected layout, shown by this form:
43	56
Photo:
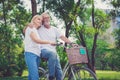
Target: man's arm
39	41
65	39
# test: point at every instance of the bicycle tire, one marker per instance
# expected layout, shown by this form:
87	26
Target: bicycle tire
43	74
82	74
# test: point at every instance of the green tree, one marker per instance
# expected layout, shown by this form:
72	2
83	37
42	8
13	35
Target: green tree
116	13
63	8
86	31
69	11
102	51
114	58
13	18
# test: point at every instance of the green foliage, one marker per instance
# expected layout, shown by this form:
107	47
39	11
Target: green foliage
113	59
60	8
117	37
101	20
14	78
115	56
82	23
101	52
115	3
85	31
11	24
62	56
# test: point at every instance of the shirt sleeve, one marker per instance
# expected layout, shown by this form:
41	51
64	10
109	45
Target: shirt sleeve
31	30
57	32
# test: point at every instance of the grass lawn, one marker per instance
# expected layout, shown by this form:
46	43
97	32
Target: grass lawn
108	75
101	75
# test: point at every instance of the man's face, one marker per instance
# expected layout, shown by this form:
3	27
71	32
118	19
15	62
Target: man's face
46	22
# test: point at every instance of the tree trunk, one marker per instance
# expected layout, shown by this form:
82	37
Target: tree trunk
4	13
34	7
68	24
93	52
84	44
68	27
93	22
95	40
43	6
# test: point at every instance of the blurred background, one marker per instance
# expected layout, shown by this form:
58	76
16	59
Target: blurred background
94	24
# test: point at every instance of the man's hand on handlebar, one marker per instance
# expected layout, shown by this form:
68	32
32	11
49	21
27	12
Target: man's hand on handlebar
53	43
61	44
56	44
73	44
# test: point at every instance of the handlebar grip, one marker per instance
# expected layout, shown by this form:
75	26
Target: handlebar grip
58	44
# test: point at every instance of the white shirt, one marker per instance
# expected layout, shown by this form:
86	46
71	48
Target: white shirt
51	34
30	45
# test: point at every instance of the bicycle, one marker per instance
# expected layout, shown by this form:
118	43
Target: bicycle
71	72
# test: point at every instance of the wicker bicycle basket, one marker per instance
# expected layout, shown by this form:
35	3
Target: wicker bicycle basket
77	55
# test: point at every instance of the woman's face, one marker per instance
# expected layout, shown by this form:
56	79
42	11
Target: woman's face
38	22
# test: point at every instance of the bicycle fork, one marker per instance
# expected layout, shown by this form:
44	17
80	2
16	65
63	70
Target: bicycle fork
73	73
67	68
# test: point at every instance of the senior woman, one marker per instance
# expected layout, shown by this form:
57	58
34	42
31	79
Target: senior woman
32	47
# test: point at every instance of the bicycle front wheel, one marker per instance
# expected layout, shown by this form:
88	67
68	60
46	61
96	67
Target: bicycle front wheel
82	74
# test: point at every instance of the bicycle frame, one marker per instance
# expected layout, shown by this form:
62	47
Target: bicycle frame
66	68
71	69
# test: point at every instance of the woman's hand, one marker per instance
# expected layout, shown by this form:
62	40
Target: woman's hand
29	25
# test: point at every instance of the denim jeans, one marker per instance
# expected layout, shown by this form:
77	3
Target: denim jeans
54	66
32	62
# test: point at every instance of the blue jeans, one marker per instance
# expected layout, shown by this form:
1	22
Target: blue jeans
32	62
54	66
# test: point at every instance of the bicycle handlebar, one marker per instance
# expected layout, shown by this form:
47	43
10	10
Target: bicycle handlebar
59	44
70	44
